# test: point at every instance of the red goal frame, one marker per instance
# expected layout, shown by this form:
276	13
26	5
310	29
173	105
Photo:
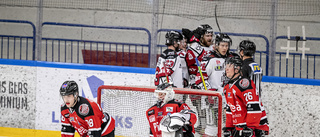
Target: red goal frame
177	91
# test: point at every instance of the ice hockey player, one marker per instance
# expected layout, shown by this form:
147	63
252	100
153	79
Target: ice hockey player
244	114
200	40
182	53
83	115
212	65
169	116
213	75
169	67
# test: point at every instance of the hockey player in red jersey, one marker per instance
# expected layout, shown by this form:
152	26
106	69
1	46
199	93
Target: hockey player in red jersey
177	116
245	117
169	65
200	45
83	115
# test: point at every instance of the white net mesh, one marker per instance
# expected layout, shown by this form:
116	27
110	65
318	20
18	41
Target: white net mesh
128	108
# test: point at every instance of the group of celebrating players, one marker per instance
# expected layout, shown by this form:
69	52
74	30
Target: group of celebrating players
207	63
196	59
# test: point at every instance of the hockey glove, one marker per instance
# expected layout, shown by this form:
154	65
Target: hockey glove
187	33
227	131
172	123
196	35
246	132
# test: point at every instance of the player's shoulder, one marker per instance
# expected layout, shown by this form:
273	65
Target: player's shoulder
243	84
169	54
64	108
196	47
175	102
84	107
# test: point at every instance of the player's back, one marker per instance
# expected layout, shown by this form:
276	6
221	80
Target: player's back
253	71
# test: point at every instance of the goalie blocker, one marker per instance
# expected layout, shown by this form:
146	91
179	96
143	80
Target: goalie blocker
168	116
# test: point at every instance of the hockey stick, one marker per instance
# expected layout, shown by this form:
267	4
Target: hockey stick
215	15
198	64
165	71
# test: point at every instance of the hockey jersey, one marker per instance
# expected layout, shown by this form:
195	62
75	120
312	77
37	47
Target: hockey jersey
195	50
87	118
185	73
212	71
253	71
243	105
172	69
155	114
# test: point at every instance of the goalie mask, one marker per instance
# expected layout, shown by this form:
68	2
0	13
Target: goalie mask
164	92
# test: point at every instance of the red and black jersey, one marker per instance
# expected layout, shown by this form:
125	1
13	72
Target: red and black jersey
243	105
195	50
155	114
87	118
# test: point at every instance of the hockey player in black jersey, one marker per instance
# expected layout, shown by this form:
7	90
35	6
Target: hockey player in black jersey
250	69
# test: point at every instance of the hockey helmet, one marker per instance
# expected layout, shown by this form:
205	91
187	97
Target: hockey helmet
235	60
248	47
68	88
167	89
222	37
205	29
172	36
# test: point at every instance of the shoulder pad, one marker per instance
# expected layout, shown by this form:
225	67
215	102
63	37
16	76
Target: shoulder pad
244	84
169	54
84	109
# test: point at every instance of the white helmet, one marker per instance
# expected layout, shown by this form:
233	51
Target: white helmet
167	89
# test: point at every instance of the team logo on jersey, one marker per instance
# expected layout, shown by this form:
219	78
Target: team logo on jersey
244	83
151	112
169	109
71	119
159	113
229	95
84	109
218	61
152	118
190	56
218	68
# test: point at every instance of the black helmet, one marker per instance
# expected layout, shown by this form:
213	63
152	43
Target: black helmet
235	60
68	88
221	37
172	36
248	47
205	29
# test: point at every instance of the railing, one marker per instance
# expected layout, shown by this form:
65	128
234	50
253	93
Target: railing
10	43
131	54
291	70
100	52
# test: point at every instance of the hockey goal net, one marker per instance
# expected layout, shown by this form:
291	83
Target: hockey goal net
128	106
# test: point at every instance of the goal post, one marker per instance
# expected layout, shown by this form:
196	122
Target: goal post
128	106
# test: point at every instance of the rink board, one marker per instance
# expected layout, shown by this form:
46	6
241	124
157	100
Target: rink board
292	103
